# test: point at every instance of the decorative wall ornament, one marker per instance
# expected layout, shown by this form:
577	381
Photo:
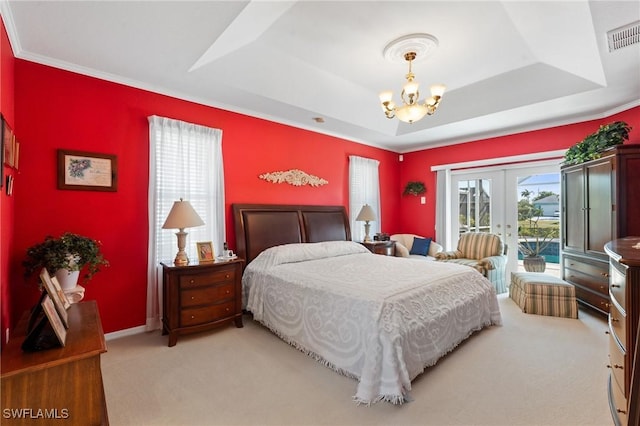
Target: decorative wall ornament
294	177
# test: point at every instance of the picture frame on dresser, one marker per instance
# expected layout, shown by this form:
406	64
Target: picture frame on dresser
58	298
205	251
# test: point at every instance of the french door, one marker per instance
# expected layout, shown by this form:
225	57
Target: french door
492	199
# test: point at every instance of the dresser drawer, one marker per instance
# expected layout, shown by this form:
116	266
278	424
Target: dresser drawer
616	363
617	285
618	402
206	295
595	277
195	316
207	278
618	325
596	300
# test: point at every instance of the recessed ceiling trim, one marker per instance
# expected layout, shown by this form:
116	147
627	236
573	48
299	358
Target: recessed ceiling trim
420	43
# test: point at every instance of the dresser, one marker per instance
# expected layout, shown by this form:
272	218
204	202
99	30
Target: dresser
201	296
624	313
599	204
59	385
386	248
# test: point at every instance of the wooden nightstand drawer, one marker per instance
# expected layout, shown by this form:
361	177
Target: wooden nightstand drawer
207	278
206	314
619	402
207	296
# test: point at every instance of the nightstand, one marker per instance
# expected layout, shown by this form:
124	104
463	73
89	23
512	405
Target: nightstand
201	296
387	248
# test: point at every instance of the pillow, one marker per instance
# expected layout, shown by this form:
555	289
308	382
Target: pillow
420	246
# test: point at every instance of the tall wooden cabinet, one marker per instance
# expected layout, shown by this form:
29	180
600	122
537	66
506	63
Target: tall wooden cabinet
600	202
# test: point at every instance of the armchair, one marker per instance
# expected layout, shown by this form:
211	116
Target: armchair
483	251
404	243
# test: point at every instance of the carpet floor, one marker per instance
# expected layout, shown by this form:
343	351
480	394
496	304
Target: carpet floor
533	370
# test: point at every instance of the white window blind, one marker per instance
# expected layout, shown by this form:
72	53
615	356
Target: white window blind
185	161
364	188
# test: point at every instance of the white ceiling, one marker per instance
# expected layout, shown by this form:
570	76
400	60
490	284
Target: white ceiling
509	66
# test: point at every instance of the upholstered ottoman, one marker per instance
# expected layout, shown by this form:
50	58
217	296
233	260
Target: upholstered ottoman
542	294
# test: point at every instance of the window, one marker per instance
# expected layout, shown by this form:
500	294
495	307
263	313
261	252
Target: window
185	161
364	188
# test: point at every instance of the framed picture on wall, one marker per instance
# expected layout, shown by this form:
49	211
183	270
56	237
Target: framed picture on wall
87	171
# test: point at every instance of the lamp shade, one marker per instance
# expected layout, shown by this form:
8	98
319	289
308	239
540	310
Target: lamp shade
182	215
366	214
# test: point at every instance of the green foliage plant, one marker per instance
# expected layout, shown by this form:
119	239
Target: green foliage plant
69	251
414	188
591	147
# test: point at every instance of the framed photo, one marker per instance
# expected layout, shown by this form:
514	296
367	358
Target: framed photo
66	303
54	320
205	251
56	297
8	145
88	171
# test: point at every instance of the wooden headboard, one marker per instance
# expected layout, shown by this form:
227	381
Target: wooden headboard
260	226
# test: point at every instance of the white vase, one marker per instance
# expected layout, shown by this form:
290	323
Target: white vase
68	279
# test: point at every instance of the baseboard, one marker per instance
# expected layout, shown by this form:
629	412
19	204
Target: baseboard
125	333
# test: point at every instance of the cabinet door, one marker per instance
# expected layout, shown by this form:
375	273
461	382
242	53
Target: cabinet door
599	207
574	213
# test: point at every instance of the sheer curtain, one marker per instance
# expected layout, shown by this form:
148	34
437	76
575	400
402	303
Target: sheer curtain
364	188
443	198
185	161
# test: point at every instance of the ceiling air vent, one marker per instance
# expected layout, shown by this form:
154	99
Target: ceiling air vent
624	36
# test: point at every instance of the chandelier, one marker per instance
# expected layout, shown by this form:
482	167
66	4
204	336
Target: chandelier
411	110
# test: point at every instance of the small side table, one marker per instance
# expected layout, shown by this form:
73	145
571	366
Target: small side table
201	296
386	248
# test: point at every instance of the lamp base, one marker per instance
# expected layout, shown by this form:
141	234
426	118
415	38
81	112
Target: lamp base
181	257
367	227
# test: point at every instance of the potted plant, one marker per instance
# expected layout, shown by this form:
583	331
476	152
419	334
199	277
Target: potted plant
65	256
533	239
414	188
590	148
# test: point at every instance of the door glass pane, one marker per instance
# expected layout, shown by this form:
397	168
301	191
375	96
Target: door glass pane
475	205
539	216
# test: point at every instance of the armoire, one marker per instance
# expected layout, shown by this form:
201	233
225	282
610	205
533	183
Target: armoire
600	202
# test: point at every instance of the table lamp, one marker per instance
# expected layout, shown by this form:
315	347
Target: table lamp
182	215
366	215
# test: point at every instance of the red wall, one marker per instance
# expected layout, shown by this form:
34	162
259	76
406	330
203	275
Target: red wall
59	109
420	218
6	203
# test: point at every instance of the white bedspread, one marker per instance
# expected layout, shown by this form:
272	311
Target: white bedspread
379	319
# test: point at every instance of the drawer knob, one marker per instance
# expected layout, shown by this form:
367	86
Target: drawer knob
616	366
193	298
604	274
228	291
621	411
602	287
615	286
605	304
227	309
227	276
193	316
615	320
192	281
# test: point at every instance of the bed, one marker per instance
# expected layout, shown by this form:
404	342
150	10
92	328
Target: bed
378	319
